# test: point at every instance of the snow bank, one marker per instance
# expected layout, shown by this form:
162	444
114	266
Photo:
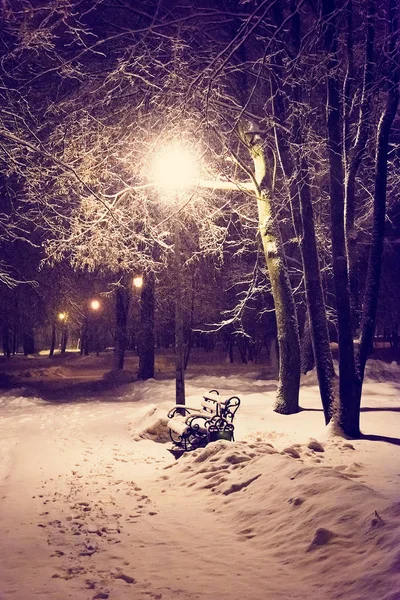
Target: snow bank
152	426
18	399
120	377
92	508
344	532
375	370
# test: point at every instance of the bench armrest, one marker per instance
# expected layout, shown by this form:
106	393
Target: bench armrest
179	408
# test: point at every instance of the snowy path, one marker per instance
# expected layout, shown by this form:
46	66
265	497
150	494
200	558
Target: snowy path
81	498
87	513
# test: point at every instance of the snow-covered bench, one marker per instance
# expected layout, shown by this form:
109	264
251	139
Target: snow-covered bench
190	427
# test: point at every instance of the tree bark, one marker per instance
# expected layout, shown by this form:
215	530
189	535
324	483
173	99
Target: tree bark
85	336
295	168
64	338
53	339
314	294
122	300
28	341
146	340
347	378
370	303
179	329
287	398
6	340
354	154
306	348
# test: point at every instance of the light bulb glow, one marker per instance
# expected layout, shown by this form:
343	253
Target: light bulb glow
62	316
138	282
175	167
95	305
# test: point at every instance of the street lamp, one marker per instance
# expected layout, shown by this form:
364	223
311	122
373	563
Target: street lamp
94	305
138	282
176	169
62	317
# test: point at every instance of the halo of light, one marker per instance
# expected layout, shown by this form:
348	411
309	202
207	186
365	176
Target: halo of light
138	282
175	167
62	316
94	304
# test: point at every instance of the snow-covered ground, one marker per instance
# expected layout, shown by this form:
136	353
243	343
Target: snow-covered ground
92	504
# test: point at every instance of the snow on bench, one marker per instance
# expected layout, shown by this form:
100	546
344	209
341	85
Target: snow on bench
191	427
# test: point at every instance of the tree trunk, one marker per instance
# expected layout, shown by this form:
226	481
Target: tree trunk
146	342
347	377
243	346
6	340
287	399
179	327
189	336
368	320
28	342
355	153
85	337
309	253
122	299
53	339
64	338
298	185
314	294
306	348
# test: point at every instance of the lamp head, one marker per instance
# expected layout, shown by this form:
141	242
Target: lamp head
138	282
175	167
94	304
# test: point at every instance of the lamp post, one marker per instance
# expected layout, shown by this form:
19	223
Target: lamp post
176	169
95	308
88	328
62	317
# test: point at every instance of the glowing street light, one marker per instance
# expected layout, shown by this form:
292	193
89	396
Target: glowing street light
91	327
94	305
176	169
138	282
62	316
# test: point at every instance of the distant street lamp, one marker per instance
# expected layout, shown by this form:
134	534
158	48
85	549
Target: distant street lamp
62	317
175	169
138	282
94	305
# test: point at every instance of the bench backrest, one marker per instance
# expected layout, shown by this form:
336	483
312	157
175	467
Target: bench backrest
224	408
229	408
209	405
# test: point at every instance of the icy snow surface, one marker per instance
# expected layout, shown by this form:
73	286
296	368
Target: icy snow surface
92	504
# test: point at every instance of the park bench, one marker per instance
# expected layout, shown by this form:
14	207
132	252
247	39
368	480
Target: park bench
191	428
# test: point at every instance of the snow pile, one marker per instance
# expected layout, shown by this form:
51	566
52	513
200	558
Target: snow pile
152	426
377	370
11	400
344	532
120	377
48	372
7	380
